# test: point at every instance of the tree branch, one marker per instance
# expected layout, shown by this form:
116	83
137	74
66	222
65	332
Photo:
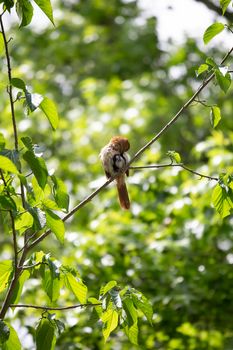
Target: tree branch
181	165
48	308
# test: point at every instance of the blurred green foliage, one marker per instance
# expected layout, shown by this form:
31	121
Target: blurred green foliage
104	66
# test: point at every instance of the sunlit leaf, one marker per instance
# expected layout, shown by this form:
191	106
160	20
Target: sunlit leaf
107	287
224	81
76	287
46	7
56	225
50	110
224	4
51	281
7	202
45	335
175	156
110	320
2	46
23	221
202	68
38	167
19	287
13	342
222	198
60	193
7	165
143	304
6	269
24	10
212	31
215	116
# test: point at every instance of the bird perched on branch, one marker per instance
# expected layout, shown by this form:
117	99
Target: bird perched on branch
115	159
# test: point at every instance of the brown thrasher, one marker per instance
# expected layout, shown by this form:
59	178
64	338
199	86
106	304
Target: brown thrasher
114	159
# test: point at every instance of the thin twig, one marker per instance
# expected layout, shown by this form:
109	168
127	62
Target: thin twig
181	165
49	308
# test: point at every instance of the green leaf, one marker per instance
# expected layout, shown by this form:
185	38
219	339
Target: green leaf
4	332
222	198
224	81
211	62
45	335
2	141
202	68
143	304
215	116
175	156
224	4
107	287
13	342
39	217
38	167
110	320
33	101
212	31
7	165
132	333
19	287
6	269
27	141
46	7
8	4
24	10
60	193
130	326
76	286
2	46
18	83
6	202
13	155
56	225
23	221
50	204
50	110
51	281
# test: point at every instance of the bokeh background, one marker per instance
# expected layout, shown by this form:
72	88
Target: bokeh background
126	67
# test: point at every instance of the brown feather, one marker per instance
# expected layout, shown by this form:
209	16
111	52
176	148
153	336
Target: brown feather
122	192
